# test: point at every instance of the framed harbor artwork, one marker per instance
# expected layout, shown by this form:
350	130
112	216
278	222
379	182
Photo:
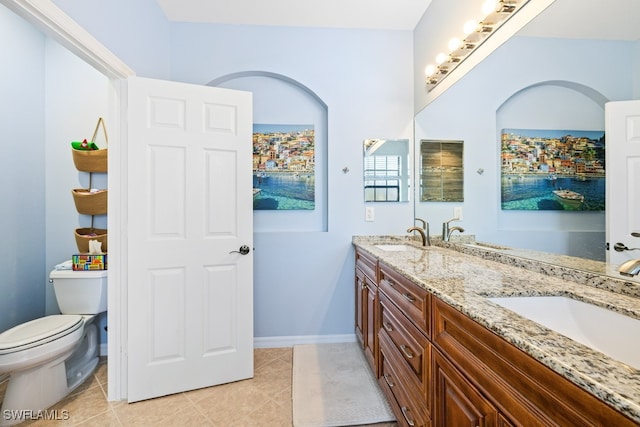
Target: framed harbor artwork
283	167
552	170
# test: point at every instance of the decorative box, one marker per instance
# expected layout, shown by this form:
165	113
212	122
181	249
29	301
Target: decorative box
85	262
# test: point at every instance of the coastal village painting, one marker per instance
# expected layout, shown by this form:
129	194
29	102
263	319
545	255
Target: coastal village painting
553	170
283	167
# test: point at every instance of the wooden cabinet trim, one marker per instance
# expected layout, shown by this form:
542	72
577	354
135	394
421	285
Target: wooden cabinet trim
520	386
404	333
368	264
393	381
413	301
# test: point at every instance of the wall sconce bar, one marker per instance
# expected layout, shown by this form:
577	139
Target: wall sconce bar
499	12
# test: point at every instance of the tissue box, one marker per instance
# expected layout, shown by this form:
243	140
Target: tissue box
85	262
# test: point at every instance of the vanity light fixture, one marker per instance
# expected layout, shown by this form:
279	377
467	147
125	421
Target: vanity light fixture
495	13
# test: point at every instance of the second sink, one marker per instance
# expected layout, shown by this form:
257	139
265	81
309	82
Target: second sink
606	331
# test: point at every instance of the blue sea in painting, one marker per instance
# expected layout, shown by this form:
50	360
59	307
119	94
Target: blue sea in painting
283	191
535	192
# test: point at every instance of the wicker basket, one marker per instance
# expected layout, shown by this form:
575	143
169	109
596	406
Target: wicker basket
92	160
90	202
83	235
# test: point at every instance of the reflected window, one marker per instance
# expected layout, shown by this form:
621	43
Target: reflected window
382	178
386	170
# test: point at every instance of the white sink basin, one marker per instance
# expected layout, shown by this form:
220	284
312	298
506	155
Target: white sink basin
393	248
611	333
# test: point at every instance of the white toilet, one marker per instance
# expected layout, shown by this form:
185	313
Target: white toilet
47	358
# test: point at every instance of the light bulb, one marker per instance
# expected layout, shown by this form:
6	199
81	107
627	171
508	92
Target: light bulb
454	44
441	58
489	6
469	27
430	70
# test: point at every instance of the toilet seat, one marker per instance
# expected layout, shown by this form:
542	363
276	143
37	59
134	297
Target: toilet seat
39	331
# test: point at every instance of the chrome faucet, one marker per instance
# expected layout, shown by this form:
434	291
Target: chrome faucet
447	231
452	229
425	228
422	234
630	268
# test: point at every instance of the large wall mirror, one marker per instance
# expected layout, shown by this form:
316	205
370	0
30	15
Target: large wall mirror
558	72
386	170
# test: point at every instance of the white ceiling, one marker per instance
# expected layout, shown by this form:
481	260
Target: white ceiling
596	19
588	19
359	14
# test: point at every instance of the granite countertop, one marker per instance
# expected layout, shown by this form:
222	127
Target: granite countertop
465	281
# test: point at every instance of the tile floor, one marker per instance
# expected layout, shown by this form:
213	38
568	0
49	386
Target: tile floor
264	400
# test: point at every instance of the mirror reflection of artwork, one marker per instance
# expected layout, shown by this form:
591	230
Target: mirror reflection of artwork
553	170
441	171
283	167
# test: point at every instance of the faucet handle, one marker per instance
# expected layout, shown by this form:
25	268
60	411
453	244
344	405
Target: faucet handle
424	223
452	219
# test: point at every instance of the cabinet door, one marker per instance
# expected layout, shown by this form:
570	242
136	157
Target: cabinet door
360	290
371	330
457	402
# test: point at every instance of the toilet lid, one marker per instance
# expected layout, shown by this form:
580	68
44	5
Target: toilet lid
39	331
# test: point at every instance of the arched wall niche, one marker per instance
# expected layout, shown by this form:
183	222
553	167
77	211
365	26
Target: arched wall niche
557	105
279	99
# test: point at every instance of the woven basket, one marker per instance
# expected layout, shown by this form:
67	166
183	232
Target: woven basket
92	160
90	202
83	235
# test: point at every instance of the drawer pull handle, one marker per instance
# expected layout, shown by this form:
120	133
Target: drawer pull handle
406	417
386	379
391	282
363	286
409	297
388	326
407	351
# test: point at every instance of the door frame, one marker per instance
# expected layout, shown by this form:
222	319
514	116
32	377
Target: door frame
45	16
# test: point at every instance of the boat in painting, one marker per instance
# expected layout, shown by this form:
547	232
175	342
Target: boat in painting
569	198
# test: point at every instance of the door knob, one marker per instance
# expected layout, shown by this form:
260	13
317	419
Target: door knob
244	249
621	247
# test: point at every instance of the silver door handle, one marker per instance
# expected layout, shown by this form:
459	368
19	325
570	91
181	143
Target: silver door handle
621	247
244	249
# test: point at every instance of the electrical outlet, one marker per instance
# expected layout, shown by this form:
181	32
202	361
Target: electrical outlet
457	212
368	213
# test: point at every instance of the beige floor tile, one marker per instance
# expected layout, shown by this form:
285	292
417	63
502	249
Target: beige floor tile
264	400
153	411
269	414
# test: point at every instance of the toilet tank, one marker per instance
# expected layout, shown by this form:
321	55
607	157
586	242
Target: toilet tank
80	292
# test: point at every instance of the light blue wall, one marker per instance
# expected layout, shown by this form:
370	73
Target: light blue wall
49	98
303	279
22	168
136	31
510	89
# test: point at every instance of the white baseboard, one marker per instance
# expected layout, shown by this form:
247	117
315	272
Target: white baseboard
290	341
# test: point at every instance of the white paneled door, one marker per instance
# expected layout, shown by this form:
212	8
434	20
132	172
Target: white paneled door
190	286
623	178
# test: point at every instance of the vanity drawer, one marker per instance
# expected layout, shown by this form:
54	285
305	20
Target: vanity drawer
412	300
368	265
408	410
410	347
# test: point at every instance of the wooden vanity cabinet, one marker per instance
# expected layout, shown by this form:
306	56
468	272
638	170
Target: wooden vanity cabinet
366	298
439	367
456	401
522	390
405	350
